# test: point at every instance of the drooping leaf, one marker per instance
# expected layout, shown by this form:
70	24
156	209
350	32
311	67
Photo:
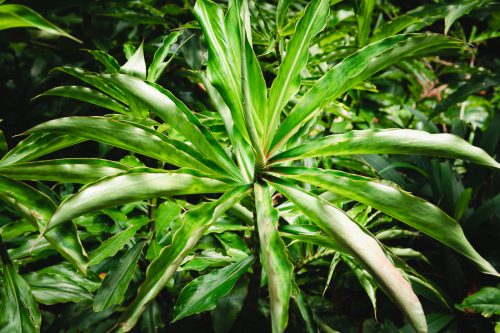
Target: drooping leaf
131	187
203	293
70	170
87	95
38	209
160	271
362	246
353	70
110	63
395	202
458	9
48	288
390	141
19	16
18	309
275	259
287	82
116	282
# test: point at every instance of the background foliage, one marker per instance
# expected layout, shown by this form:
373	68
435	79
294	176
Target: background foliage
456	92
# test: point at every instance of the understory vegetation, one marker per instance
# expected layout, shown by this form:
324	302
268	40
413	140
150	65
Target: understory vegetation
249	166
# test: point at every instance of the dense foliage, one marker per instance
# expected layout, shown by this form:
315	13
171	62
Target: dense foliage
312	166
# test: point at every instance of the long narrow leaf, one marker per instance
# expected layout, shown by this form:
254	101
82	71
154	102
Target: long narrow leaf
395	202
337	225
273	250
353	70
390	141
287	81
131	187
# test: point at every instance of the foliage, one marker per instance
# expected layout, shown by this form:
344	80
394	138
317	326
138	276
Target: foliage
286	174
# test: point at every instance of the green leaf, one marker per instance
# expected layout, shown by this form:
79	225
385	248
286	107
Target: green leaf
393	27
485	301
128	136
224	57
116	282
37	145
158	65
202	293
366	281
18	16
281	11
458	9
395	202
136	65
228	307
131	187
160	271
362	246
176	114
106	60
87	95
355	69
389	141
70	170
364	19
287	82
275	259
18	309
38	208
112	245
51	289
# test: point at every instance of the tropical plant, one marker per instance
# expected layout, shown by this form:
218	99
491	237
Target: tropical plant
239	188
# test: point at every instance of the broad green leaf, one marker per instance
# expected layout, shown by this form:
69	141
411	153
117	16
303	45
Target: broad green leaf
287	82
87	95
395	202
364	19
485	301
362	246
131	187
176	114
64	269
353	70
160	271
390	141
392	27
38	208
112	245
18	16
126	135
18	309
70	170
158	65
228	307
37	145
110	63
48	288
116	282
136	65
275	259
202	293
